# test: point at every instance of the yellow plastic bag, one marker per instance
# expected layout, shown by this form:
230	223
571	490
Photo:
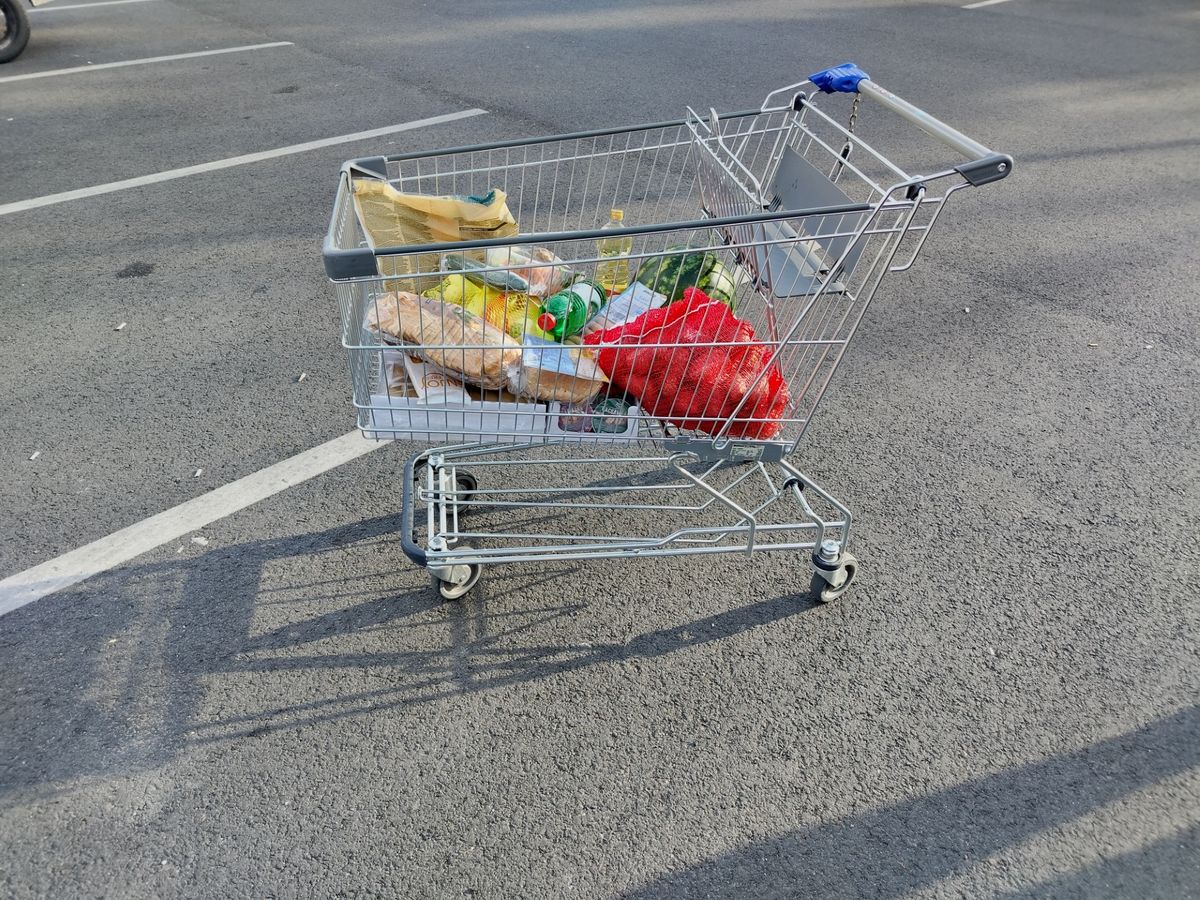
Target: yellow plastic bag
390	218
393	219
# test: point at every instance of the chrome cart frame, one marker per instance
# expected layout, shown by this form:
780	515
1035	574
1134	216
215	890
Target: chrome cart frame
791	195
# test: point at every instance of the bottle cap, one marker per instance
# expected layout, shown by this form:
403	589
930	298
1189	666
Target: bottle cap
618	215
546	321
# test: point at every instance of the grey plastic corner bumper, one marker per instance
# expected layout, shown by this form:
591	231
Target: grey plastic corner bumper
985	171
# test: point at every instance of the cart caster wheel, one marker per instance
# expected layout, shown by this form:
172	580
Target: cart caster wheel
830	584
465	483
464	578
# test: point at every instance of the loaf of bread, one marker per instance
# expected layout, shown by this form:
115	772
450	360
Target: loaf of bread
447	336
555	372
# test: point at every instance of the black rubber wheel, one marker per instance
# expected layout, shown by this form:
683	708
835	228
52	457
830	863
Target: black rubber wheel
16	30
466	482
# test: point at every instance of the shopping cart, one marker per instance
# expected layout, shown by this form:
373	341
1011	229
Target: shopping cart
790	196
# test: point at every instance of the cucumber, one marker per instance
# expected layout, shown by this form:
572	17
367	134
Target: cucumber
506	281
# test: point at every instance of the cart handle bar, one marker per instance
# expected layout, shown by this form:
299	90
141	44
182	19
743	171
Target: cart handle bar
986	165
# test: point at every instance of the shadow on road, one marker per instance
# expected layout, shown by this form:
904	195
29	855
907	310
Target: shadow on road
120	676
893	851
111	677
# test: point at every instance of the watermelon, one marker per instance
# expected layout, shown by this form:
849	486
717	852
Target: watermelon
720	284
672	274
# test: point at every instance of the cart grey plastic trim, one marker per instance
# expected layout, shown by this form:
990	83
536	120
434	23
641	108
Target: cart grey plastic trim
87	5
170	174
121	546
28	76
983	3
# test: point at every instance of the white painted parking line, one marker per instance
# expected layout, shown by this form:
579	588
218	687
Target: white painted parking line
171	174
87	5
52	73
983	3
121	546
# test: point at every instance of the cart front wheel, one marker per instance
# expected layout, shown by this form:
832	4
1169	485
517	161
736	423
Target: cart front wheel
830	585
462	579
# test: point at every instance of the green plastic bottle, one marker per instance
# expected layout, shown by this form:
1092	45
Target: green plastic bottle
565	313
613	269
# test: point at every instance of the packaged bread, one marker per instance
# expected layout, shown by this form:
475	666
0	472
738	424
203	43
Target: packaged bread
549	370
447	336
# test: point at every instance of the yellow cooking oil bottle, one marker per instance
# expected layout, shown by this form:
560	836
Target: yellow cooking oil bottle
612	272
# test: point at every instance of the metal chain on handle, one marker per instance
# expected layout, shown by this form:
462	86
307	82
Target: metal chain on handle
849	145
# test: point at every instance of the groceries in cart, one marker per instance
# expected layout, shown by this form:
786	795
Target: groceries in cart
696	365
565	314
625	307
390	218
513	313
469	347
613	269
447	336
540	270
552	371
470	294
429	383
506	319
609	415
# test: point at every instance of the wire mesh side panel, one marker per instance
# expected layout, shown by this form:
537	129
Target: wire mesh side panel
816	274
572	184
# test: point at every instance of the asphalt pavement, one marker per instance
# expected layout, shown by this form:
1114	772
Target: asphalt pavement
1004	705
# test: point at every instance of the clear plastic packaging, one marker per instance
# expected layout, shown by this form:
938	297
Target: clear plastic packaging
542	272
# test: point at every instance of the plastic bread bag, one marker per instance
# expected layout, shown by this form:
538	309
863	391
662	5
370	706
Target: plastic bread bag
446	336
542	272
548	370
390	218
